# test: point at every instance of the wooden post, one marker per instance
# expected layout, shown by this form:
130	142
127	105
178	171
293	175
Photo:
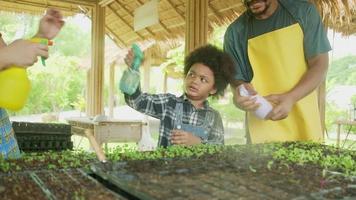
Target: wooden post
321	103
165	82
146	67
95	145
112	89
338	135
95	81
196	31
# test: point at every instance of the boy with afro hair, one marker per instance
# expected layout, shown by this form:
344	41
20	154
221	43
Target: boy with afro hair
188	119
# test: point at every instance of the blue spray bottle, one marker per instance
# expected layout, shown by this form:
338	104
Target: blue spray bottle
131	77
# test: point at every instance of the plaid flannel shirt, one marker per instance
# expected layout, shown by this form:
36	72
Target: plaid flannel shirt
8	144
162	107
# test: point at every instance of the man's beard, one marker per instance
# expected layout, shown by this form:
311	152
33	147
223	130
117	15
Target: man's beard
257	14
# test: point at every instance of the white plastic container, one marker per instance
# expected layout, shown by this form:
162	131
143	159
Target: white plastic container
265	106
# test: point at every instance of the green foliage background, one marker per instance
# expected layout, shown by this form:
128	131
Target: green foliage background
61	84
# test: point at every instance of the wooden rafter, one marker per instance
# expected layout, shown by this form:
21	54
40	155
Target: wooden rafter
125	22
159	21
117	39
104	3
80	2
182	17
40	5
215	12
130	13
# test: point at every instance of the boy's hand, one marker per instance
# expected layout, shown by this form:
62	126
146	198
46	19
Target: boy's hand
181	137
245	103
129	58
24	53
50	24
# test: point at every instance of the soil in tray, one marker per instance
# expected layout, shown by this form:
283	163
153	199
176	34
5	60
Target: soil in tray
229	175
74	184
62	184
19	186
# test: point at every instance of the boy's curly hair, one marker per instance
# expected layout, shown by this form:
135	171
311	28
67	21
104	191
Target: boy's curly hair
219	62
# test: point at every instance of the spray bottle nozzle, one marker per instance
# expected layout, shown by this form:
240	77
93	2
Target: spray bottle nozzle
45	42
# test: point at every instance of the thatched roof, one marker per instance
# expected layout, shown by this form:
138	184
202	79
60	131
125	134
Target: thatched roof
338	14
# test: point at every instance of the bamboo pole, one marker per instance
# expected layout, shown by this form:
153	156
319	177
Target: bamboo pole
95	82
112	89
196	24
165	82
146	66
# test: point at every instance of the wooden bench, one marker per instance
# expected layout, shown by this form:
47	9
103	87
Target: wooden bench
99	132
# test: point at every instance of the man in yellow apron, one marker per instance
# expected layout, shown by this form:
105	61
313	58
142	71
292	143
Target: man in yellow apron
280	50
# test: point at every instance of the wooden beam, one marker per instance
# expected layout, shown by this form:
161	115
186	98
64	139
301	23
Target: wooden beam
40	5
95	103
130	13
89	3
215	12
321	103
104	3
196	30
125	22
182	17
159	21
230	7
146	68
165	82
112	89
117	39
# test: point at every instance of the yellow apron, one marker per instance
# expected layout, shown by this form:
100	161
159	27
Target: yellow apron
278	63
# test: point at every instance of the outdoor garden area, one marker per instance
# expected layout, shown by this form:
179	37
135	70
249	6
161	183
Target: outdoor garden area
75	113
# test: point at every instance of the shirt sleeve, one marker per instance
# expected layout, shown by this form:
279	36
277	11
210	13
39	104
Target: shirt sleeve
315	38
153	105
236	46
216	135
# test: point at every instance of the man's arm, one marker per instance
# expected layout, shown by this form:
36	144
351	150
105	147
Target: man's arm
21	53
317	69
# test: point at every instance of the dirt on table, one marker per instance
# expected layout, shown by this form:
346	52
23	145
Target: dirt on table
60	184
233	172
244	173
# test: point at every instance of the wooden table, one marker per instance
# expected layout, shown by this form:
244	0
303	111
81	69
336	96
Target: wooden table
99	132
339	123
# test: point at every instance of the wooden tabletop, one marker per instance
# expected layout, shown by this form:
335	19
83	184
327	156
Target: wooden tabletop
89	121
345	122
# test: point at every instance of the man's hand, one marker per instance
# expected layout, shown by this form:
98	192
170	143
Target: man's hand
50	24
23	53
242	102
283	104
181	137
